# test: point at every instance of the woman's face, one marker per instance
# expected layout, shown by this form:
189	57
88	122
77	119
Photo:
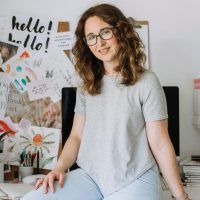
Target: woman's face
105	50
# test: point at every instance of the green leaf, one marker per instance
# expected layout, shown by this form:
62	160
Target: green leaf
48	135
10	149
24	137
47	161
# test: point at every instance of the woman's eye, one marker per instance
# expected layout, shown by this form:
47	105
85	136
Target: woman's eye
105	32
91	37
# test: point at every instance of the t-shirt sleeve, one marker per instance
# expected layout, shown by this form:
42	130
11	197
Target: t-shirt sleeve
80	106
154	101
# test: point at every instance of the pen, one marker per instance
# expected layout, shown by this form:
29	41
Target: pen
38	161
27	159
33	158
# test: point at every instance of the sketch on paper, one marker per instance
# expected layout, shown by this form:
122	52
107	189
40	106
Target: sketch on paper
7	133
59	69
17	69
46	140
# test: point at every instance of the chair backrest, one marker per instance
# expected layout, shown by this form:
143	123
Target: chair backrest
68	105
172	97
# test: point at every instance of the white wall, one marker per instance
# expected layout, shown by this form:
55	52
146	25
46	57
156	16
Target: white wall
174	43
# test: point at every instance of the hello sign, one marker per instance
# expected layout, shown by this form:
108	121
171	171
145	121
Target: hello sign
31	32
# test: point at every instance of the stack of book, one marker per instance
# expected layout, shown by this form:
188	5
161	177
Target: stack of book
191	171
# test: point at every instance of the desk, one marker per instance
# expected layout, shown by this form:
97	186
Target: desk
193	192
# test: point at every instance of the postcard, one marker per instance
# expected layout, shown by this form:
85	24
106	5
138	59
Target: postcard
40	89
4	91
62	41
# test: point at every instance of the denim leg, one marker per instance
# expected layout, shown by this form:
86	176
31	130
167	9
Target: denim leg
146	187
77	186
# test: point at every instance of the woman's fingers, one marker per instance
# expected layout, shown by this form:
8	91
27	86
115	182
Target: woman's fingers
51	182
61	180
48	181
45	184
38	183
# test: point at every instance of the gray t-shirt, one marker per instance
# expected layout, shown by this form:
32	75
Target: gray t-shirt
114	149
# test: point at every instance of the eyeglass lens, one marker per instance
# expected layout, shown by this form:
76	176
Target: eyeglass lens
104	34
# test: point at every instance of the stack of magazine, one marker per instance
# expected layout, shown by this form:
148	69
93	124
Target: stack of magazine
191	171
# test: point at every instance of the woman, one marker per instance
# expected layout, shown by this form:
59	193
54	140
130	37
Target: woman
119	132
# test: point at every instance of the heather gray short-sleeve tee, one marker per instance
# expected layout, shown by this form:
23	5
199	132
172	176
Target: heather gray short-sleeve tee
114	149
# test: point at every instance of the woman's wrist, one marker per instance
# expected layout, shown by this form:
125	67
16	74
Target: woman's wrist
183	196
59	167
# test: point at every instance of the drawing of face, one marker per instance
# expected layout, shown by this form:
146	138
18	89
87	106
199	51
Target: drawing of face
105	50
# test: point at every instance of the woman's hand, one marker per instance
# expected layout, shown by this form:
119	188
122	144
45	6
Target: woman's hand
183	196
49	179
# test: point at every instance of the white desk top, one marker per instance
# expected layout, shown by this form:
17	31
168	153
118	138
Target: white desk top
193	192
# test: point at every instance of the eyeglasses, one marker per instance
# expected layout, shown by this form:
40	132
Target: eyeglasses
105	34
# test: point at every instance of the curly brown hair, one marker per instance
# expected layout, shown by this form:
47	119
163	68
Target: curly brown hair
131	50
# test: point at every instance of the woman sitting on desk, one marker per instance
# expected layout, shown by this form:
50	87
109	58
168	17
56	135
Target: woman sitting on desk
119	133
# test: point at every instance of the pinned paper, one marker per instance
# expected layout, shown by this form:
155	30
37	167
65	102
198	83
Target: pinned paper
31	32
3	26
17	69
44	140
62	41
15	106
7	51
196	103
57	68
40	89
10	123
24	124
43	112
4	91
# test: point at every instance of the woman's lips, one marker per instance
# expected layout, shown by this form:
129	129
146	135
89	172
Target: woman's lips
104	51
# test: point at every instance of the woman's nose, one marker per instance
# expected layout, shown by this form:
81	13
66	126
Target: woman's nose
100	41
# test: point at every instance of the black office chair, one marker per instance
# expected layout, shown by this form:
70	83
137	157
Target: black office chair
68	105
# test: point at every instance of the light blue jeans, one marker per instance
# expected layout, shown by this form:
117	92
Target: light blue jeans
80	186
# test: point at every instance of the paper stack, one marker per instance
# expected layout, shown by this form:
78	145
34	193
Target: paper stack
191	172
14	191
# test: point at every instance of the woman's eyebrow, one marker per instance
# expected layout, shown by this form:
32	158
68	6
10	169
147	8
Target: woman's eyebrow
99	31
89	34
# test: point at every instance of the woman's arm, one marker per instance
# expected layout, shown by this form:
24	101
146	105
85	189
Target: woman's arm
67	157
163	151
71	147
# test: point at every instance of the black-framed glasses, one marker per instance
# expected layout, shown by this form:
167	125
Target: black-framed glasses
105	34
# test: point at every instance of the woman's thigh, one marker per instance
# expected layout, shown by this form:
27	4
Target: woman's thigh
78	185
146	187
